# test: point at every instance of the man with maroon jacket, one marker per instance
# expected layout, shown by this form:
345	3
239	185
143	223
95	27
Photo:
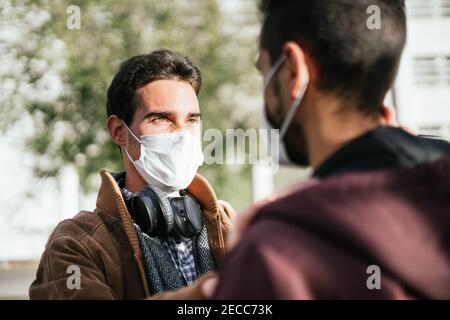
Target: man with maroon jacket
374	220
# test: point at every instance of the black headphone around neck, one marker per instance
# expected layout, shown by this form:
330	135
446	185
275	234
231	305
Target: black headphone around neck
159	216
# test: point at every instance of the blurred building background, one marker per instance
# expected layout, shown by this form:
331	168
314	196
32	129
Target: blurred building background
422	90
53	83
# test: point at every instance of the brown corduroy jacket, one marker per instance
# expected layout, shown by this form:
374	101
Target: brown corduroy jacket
104	247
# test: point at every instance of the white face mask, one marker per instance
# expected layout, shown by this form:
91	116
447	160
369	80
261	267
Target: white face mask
283	157
168	161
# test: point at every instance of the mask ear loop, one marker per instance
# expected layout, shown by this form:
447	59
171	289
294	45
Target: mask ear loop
296	103
138	140
273	70
128	155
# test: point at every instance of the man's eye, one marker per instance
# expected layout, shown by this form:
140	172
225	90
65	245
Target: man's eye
158	119
194	120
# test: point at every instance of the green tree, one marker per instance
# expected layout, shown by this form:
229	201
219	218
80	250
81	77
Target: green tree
71	129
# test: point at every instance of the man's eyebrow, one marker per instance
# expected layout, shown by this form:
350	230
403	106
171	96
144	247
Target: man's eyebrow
164	114
194	115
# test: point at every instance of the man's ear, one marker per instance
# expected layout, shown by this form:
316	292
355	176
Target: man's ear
116	130
390	116
296	58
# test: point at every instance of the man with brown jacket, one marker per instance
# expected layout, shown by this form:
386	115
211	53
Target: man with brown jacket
158	226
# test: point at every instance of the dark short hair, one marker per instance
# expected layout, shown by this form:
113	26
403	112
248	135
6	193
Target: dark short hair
140	70
353	61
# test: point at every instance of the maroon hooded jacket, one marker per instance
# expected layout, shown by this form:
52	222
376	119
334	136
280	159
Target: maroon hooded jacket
381	202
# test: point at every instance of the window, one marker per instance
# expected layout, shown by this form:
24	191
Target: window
424	9
437	131
432	70
445	8
447	68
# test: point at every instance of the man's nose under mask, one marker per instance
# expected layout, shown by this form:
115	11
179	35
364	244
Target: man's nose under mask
168	161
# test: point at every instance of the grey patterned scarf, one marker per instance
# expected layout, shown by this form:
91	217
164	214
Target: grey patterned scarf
161	272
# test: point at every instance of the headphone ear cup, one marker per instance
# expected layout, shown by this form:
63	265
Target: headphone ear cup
152	212
188	217
165	208
145	214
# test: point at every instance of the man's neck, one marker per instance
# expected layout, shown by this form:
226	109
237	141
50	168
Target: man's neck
133	180
328	128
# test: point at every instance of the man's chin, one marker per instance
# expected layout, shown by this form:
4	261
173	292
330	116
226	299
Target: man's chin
298	159
297	152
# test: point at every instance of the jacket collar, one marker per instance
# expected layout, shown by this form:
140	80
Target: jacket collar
383	148
111	201
110	197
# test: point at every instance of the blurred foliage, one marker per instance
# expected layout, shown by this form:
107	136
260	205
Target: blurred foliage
71	129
